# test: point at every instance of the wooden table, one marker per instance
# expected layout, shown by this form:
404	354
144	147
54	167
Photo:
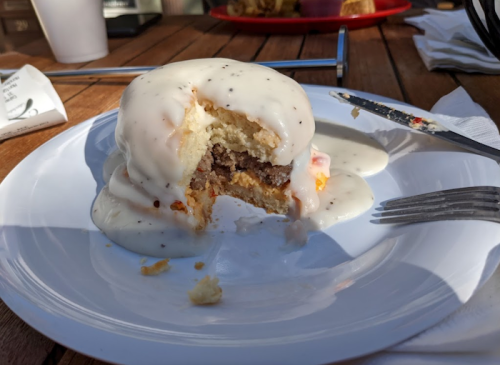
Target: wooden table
383	61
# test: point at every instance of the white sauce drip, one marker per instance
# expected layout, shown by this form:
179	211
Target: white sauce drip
114	159
345	196
353	154
350	150
296	234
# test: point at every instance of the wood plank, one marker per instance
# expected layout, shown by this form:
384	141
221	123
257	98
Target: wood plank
20	343
13	60
65	90
243	47
484	90
39	47
208	44
281	47
422	88
115	43
73	358
69	89
101	97
164	51
140	44
43	59
372	73
318	46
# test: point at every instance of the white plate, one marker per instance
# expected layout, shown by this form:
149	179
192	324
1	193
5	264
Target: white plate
278	307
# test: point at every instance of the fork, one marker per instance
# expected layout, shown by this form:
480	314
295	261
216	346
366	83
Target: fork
473	203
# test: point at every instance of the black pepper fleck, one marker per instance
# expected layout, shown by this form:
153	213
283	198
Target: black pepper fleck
156	203
331	202
300	122
139	221
209	79
231	90
167	186
227	106
162	245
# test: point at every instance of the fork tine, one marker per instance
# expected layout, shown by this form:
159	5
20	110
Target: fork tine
443	208
482	193
460	197
470	198
430	217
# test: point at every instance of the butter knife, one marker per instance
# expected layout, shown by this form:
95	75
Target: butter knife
423	125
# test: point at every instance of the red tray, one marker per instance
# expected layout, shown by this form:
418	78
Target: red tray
320	24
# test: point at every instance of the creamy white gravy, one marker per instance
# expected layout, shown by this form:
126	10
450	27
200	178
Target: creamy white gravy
345	196
353	155
349	149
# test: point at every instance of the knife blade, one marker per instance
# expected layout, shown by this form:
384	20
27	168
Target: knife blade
423	125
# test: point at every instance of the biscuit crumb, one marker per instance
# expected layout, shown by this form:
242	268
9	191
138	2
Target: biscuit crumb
199	265
355	112
157	268
109	245
143	260
206	291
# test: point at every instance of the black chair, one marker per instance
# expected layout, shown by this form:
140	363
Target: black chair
489	31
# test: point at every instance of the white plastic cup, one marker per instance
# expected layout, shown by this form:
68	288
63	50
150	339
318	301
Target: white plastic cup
75	29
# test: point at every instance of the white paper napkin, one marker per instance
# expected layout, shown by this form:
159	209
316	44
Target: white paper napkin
30	103
471	335
450	42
